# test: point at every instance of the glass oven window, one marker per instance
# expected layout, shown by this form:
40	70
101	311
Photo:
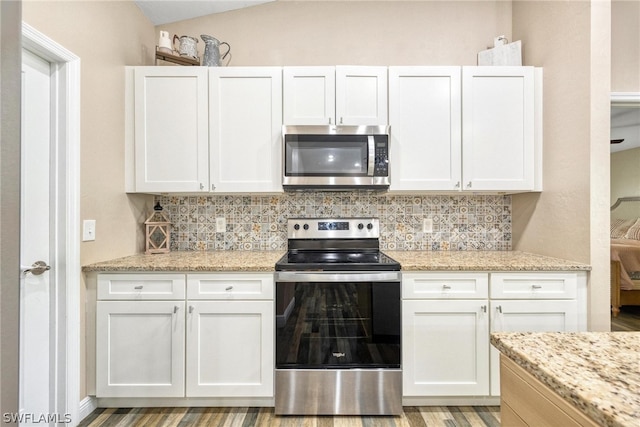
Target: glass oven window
315	156
338	325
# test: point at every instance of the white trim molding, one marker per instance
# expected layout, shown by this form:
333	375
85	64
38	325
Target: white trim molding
66	137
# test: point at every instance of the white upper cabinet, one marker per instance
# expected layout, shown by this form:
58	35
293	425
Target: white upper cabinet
170	129
344	95
498	108
309	95
424	113
245	119
465	129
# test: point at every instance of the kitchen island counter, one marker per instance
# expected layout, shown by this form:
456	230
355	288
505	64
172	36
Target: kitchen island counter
596	372
482	261
191	261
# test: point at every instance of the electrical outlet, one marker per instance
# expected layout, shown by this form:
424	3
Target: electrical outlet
88	230
221	225
427	225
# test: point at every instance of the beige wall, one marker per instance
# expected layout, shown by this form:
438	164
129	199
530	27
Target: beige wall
568	219
355	32
625	46
106	35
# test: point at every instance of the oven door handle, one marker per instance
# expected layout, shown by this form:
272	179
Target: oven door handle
342	276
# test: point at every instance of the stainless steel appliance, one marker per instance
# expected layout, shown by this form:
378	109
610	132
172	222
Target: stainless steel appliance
336	157
337	321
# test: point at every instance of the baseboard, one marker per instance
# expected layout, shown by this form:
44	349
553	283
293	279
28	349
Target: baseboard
87	406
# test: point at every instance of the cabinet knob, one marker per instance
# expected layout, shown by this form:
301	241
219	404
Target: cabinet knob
536	287
457	184
175	309
341	120
329	120
484	308
499	309
191	308
138	288
228	288
446	287
201	186
469	184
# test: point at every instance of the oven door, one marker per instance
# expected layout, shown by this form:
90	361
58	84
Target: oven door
338	320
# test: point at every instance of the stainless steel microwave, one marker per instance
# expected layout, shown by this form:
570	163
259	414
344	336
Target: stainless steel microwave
335	157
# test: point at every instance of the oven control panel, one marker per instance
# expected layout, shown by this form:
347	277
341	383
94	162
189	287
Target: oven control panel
331	228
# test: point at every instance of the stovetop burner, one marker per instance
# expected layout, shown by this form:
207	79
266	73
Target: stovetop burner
335	245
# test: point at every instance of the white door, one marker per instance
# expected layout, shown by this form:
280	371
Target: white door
309	95
36	314
361	95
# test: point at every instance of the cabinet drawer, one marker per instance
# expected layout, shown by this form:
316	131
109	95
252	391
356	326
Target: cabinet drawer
141	286
445	285
242	286
534	285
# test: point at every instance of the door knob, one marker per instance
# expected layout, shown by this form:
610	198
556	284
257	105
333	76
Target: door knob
36	269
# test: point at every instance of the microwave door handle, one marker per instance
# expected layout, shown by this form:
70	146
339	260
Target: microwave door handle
372	155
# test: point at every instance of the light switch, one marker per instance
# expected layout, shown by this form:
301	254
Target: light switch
88	230
221	225
427	225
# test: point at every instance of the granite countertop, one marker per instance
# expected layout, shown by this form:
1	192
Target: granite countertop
410	261
598	372
482	261
192	261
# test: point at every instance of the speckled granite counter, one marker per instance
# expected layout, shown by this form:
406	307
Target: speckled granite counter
481	261
598	372
192	261
410	261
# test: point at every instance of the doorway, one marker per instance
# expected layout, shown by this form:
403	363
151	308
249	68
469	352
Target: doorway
58	371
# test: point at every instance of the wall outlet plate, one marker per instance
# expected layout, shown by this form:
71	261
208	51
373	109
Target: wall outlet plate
221	225
88	230
427	225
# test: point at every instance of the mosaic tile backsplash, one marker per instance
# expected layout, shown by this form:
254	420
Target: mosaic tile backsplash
260	222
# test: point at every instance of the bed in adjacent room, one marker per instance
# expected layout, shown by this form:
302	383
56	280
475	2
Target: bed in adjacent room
625	260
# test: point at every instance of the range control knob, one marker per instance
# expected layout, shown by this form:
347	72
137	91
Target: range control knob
360	226
306	226
296	227
369	226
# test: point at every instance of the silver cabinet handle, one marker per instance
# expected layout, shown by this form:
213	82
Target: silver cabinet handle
201	186
484	308
536	287
446	287
457	185
175	309
329	120
138	288
228	288
213	187
191	308
341	120
37	268
499	309
469	184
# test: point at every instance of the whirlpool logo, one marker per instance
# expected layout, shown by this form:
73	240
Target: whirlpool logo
337	354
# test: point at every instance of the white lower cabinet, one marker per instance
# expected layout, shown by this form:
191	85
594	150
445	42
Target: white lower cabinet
140	349
216	341
445	347
228	350
447	317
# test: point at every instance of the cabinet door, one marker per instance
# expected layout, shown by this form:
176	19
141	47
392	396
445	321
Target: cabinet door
246	127
171	129
529	316
230	348
498	128
361	95
309	95
425	120
140	349
445	348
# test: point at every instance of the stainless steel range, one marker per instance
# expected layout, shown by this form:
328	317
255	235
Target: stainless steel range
337	321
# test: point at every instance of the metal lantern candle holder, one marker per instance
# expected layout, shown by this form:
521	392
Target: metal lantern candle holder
158	229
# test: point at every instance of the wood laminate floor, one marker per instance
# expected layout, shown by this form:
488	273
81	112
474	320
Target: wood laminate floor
429	416
627	320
